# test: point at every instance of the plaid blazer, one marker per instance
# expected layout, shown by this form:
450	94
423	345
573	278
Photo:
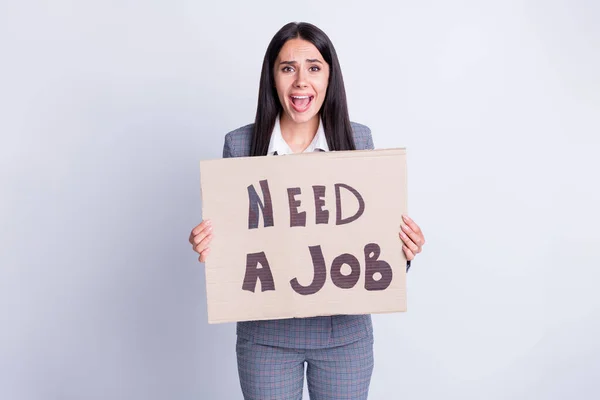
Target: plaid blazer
301	333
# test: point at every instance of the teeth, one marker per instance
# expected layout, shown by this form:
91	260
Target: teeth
300	97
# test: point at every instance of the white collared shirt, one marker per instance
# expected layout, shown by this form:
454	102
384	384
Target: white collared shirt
278	145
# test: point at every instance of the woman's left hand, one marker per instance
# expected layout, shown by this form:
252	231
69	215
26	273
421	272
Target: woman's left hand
412	237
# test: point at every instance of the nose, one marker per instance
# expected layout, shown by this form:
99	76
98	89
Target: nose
301	79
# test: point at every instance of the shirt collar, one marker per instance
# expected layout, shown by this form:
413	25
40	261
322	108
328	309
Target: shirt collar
278	145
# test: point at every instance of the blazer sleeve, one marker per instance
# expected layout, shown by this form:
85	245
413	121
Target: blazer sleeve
369	138
227	147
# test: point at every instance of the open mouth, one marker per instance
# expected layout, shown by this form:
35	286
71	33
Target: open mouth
301	103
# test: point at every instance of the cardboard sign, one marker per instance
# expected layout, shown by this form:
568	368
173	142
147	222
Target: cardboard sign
305	235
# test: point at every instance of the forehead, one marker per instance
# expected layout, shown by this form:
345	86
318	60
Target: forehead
298	50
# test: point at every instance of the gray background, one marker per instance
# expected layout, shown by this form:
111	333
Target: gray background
107	107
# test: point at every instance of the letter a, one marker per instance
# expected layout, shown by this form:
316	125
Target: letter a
254	273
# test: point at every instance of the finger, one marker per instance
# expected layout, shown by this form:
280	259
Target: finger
409	254
200	247
413	225
409	243
204	255
200	227
203	245
414	237
202	235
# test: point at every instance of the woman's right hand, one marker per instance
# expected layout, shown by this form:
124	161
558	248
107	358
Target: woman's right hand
200	238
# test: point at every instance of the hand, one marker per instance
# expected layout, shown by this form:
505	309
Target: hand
200	238
412	237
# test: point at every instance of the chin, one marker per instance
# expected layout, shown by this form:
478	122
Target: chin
302	119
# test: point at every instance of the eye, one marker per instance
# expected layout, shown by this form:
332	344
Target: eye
314	68
287	69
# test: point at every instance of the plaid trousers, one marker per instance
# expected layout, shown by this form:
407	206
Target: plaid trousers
332	373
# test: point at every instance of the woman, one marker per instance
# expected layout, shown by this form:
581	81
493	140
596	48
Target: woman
302	108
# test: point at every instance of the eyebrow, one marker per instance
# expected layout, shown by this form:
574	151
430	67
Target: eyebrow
310	60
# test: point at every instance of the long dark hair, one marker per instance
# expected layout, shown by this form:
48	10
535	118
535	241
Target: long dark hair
334	111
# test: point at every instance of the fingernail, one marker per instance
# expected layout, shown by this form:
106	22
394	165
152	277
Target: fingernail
406	218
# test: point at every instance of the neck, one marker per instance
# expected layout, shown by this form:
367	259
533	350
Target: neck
298	135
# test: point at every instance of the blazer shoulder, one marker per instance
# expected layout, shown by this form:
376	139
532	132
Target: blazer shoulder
362	136
238	142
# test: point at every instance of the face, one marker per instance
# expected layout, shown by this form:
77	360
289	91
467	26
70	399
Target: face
301	77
